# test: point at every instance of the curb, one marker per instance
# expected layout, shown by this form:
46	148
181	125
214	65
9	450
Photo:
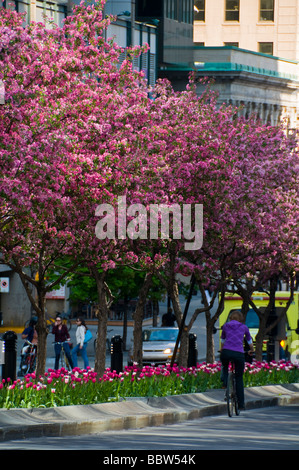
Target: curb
133	413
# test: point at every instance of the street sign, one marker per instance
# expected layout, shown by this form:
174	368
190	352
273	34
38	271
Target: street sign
4	284
56	294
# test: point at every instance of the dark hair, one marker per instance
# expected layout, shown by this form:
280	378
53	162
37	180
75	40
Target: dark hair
82	322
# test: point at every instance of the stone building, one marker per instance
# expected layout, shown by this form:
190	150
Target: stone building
251	48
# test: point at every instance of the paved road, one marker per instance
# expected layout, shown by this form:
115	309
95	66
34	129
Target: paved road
199	329
273	428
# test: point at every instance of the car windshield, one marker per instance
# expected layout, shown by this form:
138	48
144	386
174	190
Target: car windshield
160	335
252	319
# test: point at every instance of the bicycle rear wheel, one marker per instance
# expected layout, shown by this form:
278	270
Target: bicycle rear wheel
26	365
235	398
32	363
229	395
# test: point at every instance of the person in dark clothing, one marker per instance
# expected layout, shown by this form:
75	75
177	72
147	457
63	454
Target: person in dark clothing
29	331
232	350
61	336
168	319
28	334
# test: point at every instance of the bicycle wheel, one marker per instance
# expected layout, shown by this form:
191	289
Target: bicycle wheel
229	395
32	363
235	398
67	364
26	367
62	363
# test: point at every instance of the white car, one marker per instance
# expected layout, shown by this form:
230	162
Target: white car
158	345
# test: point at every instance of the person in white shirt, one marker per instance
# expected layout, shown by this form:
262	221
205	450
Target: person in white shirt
81	345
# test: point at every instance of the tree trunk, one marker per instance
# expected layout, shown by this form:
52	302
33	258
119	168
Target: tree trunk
42	331
259	339
138	318
100	354
210	321
125	323
182	359
184	348
38	302
36	291
210	348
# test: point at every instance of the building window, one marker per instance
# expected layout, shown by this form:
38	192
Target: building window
232	10
170	9
266	10
186	11
230	44
266	47
199	10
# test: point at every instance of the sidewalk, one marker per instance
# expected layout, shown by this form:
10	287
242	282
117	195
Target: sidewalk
133	413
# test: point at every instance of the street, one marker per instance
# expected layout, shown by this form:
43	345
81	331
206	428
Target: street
273	428
199	328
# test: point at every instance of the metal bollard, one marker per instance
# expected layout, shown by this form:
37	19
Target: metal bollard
10	356
117	353
271	349
192	353
2	352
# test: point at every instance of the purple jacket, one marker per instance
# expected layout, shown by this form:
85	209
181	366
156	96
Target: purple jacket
232	336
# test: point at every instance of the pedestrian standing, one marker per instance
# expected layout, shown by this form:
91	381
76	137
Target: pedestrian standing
81	345
168	319
62	337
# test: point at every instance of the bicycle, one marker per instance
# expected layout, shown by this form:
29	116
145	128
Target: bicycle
63	360
231	393
28	358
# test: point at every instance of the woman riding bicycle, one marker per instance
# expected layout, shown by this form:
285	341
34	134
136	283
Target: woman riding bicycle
232	350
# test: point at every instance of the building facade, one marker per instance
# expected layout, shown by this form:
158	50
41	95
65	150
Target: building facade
251	49
36	9
265	26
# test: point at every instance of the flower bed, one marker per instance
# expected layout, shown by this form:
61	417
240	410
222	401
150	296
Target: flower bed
84	387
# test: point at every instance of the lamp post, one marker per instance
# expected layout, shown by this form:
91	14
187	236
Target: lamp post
2	92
